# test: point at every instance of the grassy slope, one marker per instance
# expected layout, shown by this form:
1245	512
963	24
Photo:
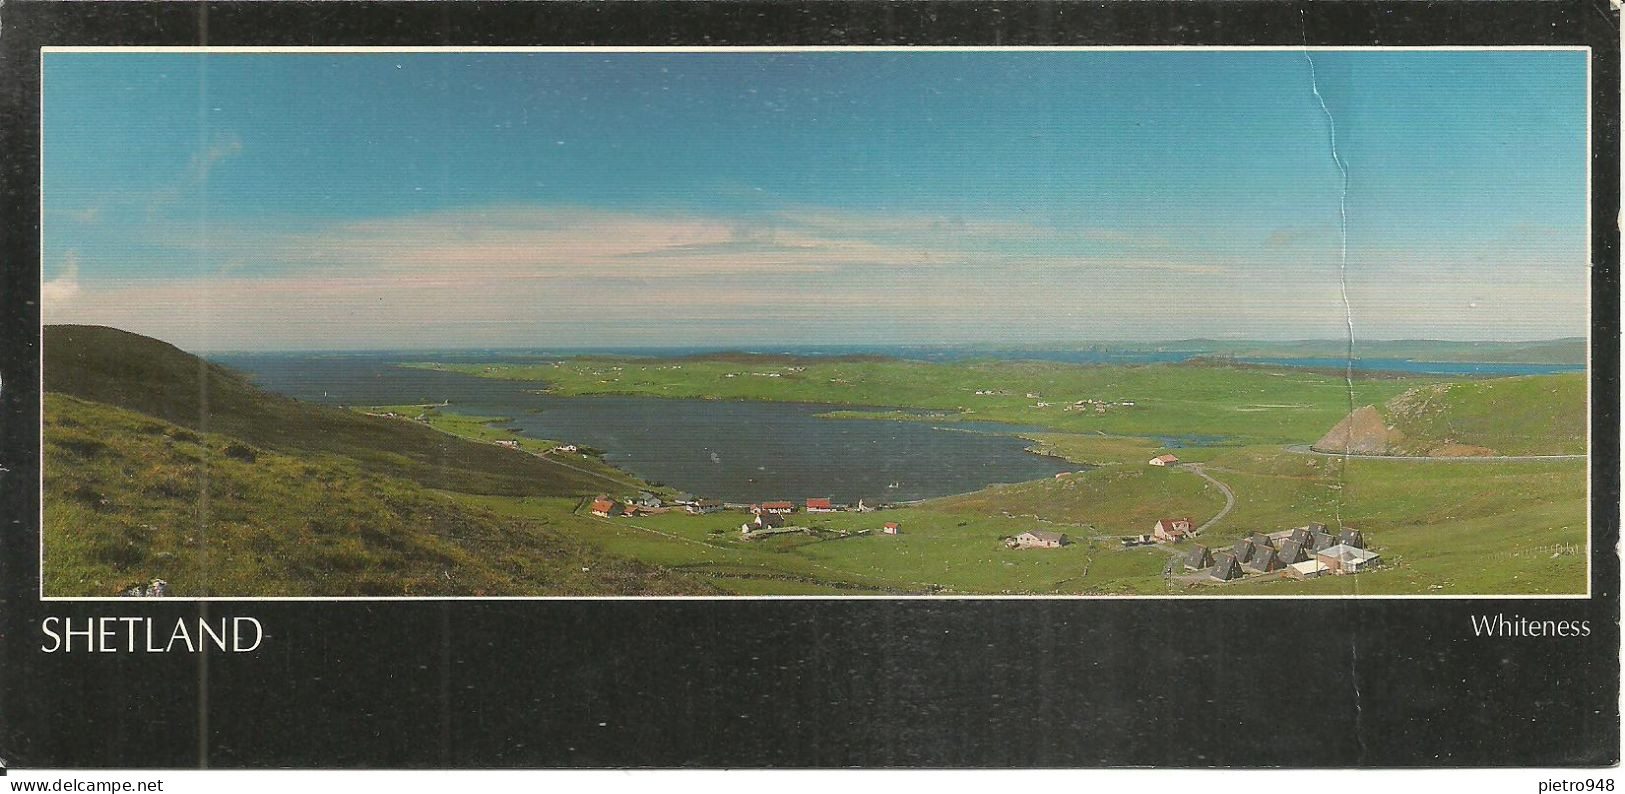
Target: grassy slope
1537	415
1531	415
1249	403
150	377
130	498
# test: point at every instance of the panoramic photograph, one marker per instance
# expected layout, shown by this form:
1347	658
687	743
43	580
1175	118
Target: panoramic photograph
956	323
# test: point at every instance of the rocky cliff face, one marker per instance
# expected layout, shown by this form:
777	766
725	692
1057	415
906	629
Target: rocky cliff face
1360	433
1376	431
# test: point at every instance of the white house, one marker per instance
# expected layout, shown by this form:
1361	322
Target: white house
1039	539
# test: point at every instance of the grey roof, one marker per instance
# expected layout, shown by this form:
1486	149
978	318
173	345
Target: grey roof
1243	550
1264	561
1300	536
1321	540
1044	534
1316	526
1198	557
1351	537
1292	551
1261	540
1225	567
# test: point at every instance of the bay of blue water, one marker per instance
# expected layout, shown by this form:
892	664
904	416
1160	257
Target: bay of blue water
741	451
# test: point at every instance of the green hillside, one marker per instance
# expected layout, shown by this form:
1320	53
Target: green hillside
130	498
1534	415
147	376
160	465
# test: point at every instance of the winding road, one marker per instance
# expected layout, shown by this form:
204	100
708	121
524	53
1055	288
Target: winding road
1229	496
1305	449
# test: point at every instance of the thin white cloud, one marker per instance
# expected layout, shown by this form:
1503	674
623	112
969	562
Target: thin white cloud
58	293
527	275
197	171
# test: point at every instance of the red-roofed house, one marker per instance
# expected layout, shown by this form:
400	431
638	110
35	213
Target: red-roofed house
607	507
778	507
1164	460
820	506
1171	530
892	528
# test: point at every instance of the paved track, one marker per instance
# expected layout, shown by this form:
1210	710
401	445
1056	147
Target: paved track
1303	449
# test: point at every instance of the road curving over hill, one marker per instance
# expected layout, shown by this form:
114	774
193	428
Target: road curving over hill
1306	449
1229	496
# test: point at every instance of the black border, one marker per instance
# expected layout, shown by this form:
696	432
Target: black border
807	683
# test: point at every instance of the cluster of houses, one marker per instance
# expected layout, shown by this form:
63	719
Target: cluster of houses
1300	553
508	443
646	502
764	515
1098	406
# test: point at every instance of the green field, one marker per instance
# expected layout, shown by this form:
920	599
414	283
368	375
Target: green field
158	465
1196	399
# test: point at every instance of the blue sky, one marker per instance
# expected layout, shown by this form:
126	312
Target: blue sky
253	201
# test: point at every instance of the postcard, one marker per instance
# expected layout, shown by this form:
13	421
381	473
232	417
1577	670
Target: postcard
991	331
791	322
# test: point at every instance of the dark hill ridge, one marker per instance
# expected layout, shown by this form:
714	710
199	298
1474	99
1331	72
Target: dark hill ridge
159	465
144	375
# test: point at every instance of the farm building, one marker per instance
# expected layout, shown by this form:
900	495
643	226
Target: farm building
1225	567
1171	530
891	528
509	443
775	507
704	506
1308	569
820	506
1198	557
1164	460
1040	539
1342	558
607	508
763	521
